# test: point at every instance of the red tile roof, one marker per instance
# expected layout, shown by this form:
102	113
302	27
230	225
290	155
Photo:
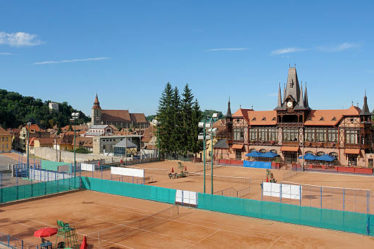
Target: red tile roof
115	115
138	117
330	117
262	117
4	132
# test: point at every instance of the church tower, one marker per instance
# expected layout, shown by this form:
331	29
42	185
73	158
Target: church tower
96	112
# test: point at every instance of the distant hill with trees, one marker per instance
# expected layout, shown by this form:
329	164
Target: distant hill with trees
16	110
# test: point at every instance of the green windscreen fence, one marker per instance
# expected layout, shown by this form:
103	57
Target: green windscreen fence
139	191
310	216
20	192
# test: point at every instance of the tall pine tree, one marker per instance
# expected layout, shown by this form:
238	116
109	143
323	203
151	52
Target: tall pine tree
196	118
176	135
188	130
166	120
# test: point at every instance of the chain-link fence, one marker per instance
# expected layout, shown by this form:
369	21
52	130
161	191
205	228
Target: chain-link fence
326	197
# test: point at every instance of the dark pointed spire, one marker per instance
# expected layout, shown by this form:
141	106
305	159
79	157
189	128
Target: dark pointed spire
279	96
293	87
306	101
301	98
228	114
365	108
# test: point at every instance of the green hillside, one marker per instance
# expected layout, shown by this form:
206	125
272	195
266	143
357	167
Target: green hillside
16	110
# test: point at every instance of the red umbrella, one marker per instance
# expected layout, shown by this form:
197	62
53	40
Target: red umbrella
172	170
45	232
84	243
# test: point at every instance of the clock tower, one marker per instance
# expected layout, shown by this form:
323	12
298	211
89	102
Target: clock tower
294	107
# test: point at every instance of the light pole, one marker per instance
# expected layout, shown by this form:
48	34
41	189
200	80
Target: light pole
204	125
157	124
214	117
28	146
74	117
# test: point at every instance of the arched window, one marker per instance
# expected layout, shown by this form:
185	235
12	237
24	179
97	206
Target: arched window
309	152
334	154
262	150
320	153
274	151
252	150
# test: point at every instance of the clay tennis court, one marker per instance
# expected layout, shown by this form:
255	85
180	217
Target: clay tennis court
115	218
245	183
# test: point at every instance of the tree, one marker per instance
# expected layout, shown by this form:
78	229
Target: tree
188	127
196	117
16	110
165	118
177	133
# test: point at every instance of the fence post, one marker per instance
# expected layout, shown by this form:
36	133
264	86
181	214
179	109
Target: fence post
8	236
368	201
300	194
17	181
343	199
280	193
1	188
321	196
56	182
22	244
101	169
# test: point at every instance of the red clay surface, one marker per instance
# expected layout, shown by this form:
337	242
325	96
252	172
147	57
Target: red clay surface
231	179
110	222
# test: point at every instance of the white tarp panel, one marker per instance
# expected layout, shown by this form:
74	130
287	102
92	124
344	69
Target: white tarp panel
288	191
87	167
127	171
179	196
47	176
186	197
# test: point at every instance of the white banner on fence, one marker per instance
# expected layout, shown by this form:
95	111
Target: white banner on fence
127	171
47	176
288	191
186	197
87	167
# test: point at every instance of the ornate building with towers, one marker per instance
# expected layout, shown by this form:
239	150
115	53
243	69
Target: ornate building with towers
294	129
118	118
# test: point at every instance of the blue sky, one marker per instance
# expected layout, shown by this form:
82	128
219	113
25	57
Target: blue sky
126	51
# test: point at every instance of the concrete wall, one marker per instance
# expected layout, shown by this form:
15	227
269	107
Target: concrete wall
66	156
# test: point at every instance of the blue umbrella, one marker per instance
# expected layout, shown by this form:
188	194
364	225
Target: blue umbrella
326	158
270	154
253	154
309	157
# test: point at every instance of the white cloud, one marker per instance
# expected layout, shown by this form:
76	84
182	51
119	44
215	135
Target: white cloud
339	47
5	53
287	51
19	39
72	60
226	49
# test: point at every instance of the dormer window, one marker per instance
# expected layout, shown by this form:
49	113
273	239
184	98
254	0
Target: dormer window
264	118
333	119
253	119
321	119
274	118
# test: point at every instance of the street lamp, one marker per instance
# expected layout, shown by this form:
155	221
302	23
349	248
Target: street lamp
207	135
28	146
157	123
74	117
